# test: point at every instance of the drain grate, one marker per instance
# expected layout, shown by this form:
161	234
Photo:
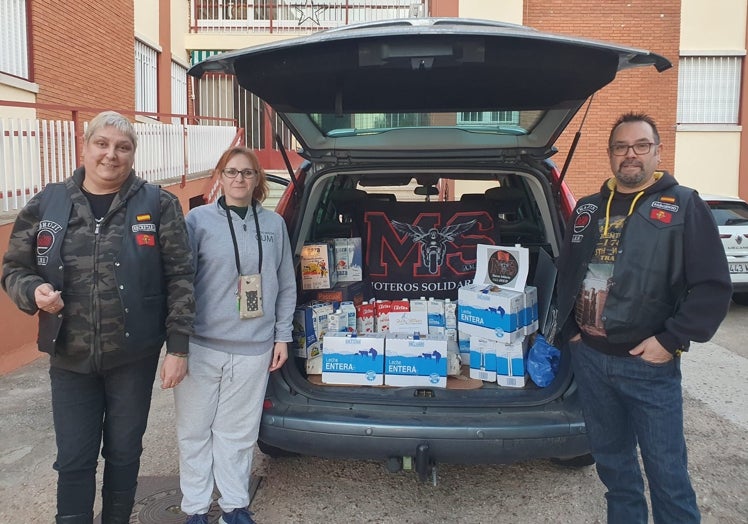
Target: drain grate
157	501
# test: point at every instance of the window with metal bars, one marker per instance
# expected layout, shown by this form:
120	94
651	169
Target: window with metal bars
146	81
14	56
709	89
178	90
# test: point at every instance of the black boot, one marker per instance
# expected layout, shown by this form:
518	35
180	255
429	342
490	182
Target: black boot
83	518
117	506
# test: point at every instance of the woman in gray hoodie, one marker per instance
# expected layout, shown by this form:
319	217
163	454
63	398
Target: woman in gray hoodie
245	293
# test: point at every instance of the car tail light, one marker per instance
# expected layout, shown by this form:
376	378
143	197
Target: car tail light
267	404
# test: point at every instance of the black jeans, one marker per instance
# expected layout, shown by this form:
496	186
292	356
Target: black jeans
110	405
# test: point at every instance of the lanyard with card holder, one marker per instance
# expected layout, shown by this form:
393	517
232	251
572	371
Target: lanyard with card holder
249	287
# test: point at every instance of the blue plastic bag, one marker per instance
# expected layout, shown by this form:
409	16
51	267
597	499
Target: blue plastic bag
542	361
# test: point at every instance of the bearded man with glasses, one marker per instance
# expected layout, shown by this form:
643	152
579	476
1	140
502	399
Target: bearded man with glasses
642	274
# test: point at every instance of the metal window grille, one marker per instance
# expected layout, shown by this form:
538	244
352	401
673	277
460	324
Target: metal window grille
178	90
219	95
489	117
14	58
709	89
146	82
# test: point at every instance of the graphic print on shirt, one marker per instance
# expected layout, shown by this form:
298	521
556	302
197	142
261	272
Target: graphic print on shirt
594	291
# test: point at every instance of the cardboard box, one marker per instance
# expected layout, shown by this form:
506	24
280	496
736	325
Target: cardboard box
530	310
310	323
483	358
415	361
352	359
489	306
465	330
348	259
317	266
511	363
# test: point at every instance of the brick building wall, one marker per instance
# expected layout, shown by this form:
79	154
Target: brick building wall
637	23
83	54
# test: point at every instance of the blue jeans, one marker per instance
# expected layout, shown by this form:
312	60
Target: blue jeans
112	406
625	401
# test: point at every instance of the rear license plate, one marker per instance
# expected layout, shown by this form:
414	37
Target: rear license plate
738	267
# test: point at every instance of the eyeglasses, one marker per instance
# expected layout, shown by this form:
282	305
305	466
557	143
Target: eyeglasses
640	148
233	172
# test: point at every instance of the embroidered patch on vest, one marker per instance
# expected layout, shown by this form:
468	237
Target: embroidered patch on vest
145	239
145	217
45	239
660	215
666	206
150	228
668	199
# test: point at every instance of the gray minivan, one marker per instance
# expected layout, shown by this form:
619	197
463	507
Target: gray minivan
430	120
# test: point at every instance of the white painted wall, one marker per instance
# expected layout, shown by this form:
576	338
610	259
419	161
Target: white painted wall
718	25
708	161
503	10
146	21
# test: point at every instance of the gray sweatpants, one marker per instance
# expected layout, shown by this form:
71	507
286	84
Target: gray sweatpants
218	409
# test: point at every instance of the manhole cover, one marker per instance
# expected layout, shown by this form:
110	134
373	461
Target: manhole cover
157	501
162	507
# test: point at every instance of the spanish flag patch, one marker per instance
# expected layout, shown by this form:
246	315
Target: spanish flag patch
145	217
668	199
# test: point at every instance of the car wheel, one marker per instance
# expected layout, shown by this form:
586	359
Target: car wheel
574	462
740	298
273	452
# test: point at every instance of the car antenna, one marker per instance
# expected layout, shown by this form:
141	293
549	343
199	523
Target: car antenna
573	147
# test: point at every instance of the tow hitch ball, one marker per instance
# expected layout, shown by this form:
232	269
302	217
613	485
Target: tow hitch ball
425	464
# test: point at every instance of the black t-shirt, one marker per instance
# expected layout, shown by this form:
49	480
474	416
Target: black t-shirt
100	204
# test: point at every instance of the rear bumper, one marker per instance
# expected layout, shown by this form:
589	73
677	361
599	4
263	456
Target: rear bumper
479	438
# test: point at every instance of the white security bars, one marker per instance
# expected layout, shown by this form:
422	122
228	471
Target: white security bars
33	153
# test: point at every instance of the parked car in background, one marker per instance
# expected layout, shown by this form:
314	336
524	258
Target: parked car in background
731	215
427	137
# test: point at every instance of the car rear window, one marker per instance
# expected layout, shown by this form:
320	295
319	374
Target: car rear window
497	122
729	213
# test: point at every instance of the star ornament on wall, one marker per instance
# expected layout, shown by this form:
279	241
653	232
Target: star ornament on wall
308	11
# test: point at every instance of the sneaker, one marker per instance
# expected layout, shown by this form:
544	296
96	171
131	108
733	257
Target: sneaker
237	516
197	518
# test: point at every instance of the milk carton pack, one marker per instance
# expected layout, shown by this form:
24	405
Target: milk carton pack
349	308
436	316
305	341
530	311
483	358
463	346
511	363
415	360
317	266
489	311
337	322
382	316
352	359
348	265
310	323
450	314
404	318
365	318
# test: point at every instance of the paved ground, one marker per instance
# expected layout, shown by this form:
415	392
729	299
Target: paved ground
312	490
